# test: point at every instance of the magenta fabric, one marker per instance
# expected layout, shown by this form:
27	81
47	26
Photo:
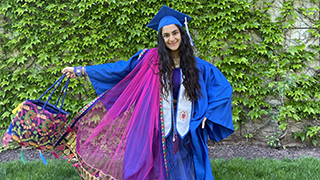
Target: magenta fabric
125	142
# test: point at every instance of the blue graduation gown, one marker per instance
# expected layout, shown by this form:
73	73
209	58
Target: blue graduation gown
215	105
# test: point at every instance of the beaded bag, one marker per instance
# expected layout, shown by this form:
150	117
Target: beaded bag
37	123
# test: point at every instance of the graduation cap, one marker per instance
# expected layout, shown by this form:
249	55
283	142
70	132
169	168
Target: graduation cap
167	16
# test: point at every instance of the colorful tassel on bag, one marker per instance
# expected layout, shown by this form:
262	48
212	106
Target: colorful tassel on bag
4	142
7	136
43	159
17	108
22	156
55	155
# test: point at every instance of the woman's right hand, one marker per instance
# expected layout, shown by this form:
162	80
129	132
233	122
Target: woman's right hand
69	72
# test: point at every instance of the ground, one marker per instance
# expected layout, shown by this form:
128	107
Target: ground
215	151
253	151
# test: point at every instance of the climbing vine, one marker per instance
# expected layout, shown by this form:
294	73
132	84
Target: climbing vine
39	38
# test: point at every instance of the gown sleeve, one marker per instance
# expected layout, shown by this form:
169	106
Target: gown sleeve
104	76
218	114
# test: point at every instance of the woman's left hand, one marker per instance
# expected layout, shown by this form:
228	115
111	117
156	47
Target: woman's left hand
204	122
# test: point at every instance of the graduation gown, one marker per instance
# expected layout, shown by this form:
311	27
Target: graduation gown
215	105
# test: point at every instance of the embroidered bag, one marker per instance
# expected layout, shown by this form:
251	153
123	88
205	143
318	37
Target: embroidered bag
37	123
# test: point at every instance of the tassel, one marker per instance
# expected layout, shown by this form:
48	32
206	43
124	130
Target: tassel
17	108
4	142
55	155
43	159
22	156
6	139
175	144
187	29
7	136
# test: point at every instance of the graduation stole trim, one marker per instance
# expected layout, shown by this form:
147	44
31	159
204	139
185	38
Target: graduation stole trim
184	113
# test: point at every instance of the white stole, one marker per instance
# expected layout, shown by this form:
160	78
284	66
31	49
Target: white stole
183	116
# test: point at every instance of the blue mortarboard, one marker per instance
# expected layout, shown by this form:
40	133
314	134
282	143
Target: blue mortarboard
167	16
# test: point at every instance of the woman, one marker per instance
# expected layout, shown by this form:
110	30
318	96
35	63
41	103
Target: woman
154	112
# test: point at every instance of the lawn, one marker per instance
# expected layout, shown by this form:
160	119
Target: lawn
234	169
57	169
266	169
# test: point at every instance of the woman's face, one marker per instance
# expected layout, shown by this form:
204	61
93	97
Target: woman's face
171	36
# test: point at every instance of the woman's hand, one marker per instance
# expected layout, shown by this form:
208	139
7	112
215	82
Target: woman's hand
69	72
204	122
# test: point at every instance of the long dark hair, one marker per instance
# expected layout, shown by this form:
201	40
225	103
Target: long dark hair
188	66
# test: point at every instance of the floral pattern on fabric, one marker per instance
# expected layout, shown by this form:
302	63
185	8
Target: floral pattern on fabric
36	127
67	147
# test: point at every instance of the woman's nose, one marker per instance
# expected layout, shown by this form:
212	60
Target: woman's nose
171	38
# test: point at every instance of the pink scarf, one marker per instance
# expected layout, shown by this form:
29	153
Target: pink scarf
121	133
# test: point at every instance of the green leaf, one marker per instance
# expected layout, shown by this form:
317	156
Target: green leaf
314	142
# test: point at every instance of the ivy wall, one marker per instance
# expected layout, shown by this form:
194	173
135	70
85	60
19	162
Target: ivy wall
268	50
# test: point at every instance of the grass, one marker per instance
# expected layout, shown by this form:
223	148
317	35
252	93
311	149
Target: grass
235	169
266	169
35	170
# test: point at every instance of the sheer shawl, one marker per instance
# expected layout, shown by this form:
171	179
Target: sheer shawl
120	134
